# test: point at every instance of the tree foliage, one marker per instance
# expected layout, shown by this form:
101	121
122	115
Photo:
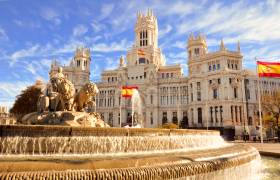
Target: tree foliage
271	108
26	102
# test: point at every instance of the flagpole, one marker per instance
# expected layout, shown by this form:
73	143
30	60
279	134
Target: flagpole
259	99
121	108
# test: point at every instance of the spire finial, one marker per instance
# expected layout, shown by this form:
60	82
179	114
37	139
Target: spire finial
238	46
222	46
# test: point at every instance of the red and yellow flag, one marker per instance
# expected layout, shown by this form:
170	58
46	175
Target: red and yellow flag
268	69
127	91
140	52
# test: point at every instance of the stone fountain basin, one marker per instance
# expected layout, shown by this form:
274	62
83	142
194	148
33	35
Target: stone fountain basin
162	164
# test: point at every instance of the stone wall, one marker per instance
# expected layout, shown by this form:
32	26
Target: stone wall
39	131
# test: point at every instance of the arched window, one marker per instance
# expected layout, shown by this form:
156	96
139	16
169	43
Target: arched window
142	61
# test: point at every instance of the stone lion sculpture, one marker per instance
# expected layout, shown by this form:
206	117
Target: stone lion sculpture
62	95
83	97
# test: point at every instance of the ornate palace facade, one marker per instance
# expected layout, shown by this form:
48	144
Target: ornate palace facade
217	93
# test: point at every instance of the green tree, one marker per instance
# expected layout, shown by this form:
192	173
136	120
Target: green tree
271	107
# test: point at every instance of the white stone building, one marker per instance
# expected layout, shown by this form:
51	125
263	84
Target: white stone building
217	93
78	71
5	117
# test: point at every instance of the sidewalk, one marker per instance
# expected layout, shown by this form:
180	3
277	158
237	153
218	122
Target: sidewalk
267	149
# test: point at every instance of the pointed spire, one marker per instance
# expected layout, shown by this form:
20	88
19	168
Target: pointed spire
191	37
238	46
222	46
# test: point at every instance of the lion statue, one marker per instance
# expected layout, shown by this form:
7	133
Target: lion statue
83	97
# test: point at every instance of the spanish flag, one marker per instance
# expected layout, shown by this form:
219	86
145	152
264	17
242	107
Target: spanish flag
140	52
268	69
127	91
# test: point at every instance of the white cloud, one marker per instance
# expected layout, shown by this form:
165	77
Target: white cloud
23	53
111	63
3	34
165	30
27	24
97	26
180	8
51	15
69	47
105	11
9	91
114	46
254	22
80	30
180	44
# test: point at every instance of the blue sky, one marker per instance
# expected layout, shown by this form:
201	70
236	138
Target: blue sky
33	33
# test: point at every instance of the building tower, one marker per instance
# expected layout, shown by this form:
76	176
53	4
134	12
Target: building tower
82	59
196	48
145	50
146	30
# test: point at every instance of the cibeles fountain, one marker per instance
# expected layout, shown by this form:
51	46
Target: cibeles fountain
56	143
58	104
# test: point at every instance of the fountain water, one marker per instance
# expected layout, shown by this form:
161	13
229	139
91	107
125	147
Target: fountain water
136	109
122	153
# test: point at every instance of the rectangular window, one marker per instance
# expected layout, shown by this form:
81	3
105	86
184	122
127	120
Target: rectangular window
219	81
199	96
235	92
240	114
214	67
196	51
198	85
151	118
221	113
231	110
218	66
211	114
151	99
236	114
216	113
164	117
199	115
210	68
215	93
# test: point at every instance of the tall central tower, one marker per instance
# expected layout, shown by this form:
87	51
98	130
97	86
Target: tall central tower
146	30
145	50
